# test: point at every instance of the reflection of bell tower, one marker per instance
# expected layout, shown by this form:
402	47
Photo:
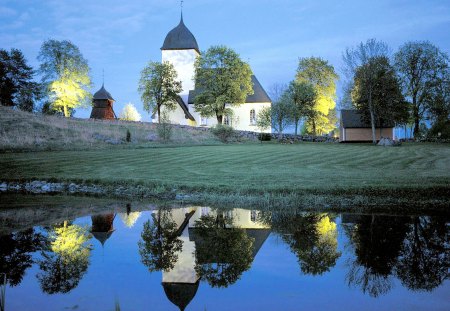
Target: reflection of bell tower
102	226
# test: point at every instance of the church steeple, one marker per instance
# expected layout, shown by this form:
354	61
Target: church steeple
180	37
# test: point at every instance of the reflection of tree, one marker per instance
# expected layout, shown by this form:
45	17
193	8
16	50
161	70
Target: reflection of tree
312	237
222	254
160	243
425	254
129	219
15	254
66	258
377	242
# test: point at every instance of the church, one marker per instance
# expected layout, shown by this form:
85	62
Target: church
180	48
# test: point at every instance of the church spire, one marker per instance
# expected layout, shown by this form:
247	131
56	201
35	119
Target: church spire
181	6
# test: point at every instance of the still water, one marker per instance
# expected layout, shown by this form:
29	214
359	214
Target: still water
201	258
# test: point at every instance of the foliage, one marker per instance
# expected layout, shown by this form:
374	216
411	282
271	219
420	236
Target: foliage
223	132
65	259
159	242
16	81
302	98
377	94
16	254
130	113
223	81
321	75
159	88
164	128
424	73
129	219
66	75
440	129
264	122
223	253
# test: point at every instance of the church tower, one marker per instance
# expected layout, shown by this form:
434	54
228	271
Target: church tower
181	49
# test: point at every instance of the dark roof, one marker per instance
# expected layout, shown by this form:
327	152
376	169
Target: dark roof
102	226
102	94
259	94
183	106
180	38
180	294
354	119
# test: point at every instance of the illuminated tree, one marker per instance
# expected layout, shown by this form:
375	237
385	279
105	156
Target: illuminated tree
65	260
16	254
130	113
16	81
377	95
160	243
129	219
421	67
159	88
321	75
66	74
302	98
222	79
222	252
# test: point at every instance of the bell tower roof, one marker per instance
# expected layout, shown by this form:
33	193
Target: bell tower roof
180	38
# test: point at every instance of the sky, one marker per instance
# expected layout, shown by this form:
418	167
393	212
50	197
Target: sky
122	36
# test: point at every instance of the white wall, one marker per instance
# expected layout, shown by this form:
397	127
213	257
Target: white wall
183	61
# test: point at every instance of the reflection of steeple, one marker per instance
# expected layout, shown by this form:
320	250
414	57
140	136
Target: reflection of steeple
181	294
102	226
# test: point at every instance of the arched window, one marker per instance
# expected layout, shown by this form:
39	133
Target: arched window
252	117
226	120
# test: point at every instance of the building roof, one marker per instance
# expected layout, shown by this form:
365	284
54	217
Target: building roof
180	38
180	294
259	94
102	94
183	106
353	119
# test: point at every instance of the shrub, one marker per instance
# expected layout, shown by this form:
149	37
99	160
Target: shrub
164	128
264	136
442	127
223	132
128	138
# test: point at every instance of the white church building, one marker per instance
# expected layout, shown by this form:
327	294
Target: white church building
180	48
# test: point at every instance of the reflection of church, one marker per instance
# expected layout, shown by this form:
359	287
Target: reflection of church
181	283
102	226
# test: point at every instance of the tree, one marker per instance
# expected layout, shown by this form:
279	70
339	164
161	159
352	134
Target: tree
223	80
160	243
65	72
321	75
159	88
301	97
420	66
377	95
130	113
65	258
280	109
17	88
264	120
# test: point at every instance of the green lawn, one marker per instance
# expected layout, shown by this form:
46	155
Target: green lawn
250	168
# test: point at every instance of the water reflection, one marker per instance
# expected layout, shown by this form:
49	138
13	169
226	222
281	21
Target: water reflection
200	247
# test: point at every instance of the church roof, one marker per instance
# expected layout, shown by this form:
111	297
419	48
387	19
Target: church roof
180	294
259	94
180	38
102	94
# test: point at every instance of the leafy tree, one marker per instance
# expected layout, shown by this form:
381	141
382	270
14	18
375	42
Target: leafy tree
264	120
377	93
421	67
425	254
223	80
130	113
223	253
377	242
160	243
16	254
65	259
321	75
280	109
65	72
301	97
17	88
159	88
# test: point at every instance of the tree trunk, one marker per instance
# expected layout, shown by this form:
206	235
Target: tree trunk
416	122
372	119
219	119
296	126
314	127
66	112
159	113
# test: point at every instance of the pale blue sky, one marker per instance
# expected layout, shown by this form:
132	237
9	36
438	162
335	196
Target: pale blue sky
121	36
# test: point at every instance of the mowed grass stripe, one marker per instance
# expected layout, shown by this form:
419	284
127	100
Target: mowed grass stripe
266	167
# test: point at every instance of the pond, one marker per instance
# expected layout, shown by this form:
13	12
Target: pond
155	257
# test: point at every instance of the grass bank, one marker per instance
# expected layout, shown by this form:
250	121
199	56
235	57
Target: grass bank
253	174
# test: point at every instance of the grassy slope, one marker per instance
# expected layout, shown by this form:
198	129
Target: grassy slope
244	168
26	131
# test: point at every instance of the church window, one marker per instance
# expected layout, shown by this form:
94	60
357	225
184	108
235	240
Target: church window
252	117
226	120
253	216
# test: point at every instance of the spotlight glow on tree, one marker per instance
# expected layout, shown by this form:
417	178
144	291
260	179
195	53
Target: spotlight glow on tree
130	113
